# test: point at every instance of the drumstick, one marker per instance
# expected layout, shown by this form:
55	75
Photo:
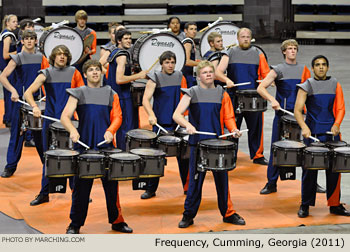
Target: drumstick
233	133
46	117
329	132
232	45
239	84
103	142
161	128
36	20
212	24
42	99
149	69
286	111
205	133
177	127
314	138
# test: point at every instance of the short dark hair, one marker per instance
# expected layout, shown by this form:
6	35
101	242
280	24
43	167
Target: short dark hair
188	24
319	57
120	34
91	63
171	18
167	55
25	22
29	34
57	50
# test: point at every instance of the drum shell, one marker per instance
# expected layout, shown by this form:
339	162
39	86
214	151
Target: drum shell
123	169
137	92
172	149
185	149
31	122
132	142
340	162
59	137
91	167
250	101
316	160
287	157
289	129
57	166
151	165
107	153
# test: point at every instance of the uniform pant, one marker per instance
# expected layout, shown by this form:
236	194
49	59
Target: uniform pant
194	193
80	201
309	181
8	104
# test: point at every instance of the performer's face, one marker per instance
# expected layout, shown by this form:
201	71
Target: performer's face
174	25
12	23
126	41
291	52
207	76
191	31
81	22
29	43
168	66
112	35
217	44
61	60
244	39
320	69
93	75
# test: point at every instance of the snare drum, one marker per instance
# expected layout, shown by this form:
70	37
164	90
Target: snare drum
335	144
316	158
216	155
31	122
250	101
287	153
185	147
148	48
153	162
62	36
91	165
59	137
171	145
60	163
137	89
289	128
124	166
108	152
228	32
137	138
340	158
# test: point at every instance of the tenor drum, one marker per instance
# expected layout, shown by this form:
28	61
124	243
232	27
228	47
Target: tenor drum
340	158
124	166
335	144
228	32
148	48
108	152
171	145
289	128
250	101
318	144
91	165
153	162
31	122
62	36
185	147
287	153
316	158
137	89
216	155
59	137
137	138
60	163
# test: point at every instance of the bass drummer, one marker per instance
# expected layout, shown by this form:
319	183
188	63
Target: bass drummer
25	65
165	88
245	63
190	50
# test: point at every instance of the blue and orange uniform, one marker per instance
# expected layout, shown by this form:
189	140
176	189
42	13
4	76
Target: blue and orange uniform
27	68
166	97
56	83
99	109
288	76
188	70
3	63
130	114
248	65
325	107
209	110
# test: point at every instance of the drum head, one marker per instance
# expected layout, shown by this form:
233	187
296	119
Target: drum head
228	32
39	30
154	45
64	36
342	150
110	151
148	152
181	132
314	149
216	143
318	144
138	85
58	125
141	134
247	92
61	153
289	144
124	156
289	118
335	144
41	106
91	156
168	139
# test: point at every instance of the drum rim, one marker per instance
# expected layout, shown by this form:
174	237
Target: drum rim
248	91
96	156
232	144
178	139
74	153
200	41
162	153
288	148
112	156
320	148
338	151
141	130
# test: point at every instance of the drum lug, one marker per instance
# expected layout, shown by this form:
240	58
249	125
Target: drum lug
122	166
58	163
312	158
285	155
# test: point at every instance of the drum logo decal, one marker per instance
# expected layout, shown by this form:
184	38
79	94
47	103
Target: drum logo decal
157	43
58	35
225	32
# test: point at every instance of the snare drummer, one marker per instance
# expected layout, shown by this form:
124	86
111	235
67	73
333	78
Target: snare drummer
101	115
206	103
165	88
55	79
190	49
25	65
324	101
245	63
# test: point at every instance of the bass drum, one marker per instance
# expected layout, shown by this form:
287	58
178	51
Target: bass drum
62	36
39	30
226	29
148	48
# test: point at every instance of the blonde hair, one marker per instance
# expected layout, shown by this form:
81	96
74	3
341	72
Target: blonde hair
212	36
81	14
203	64
6	19
289	42
244	29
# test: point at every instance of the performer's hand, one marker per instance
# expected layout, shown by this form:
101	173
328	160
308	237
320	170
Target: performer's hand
237	134
335	130
143	74
152	120
275	104
306	132
229	83
36	111
87	50
14	96
190	129
74	135
108	136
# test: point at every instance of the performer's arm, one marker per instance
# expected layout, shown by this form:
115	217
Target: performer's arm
262	89
228	115
11	66
338	109
66	116
189	62
147	96
116	119
28	94
220	71
121	78
6	48
298	112
178	115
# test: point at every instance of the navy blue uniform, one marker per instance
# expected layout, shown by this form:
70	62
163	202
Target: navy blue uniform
188	70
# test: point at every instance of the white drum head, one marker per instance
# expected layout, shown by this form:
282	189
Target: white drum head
155	45
64	36
38	28
228	32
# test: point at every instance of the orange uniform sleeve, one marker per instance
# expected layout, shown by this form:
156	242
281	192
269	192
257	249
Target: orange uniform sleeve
94	43
77	80
227	116
339	105
306	74
44	63
264	68
107	71
115	116
183	85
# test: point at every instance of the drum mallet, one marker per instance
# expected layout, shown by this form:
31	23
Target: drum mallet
233	133
103	142
160	127
239	84
149	69
212	24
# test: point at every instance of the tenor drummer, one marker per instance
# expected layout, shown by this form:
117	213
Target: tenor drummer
101	116
245	63
25	65
324	100
59	76
165	88
206	103
190	50
119	78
